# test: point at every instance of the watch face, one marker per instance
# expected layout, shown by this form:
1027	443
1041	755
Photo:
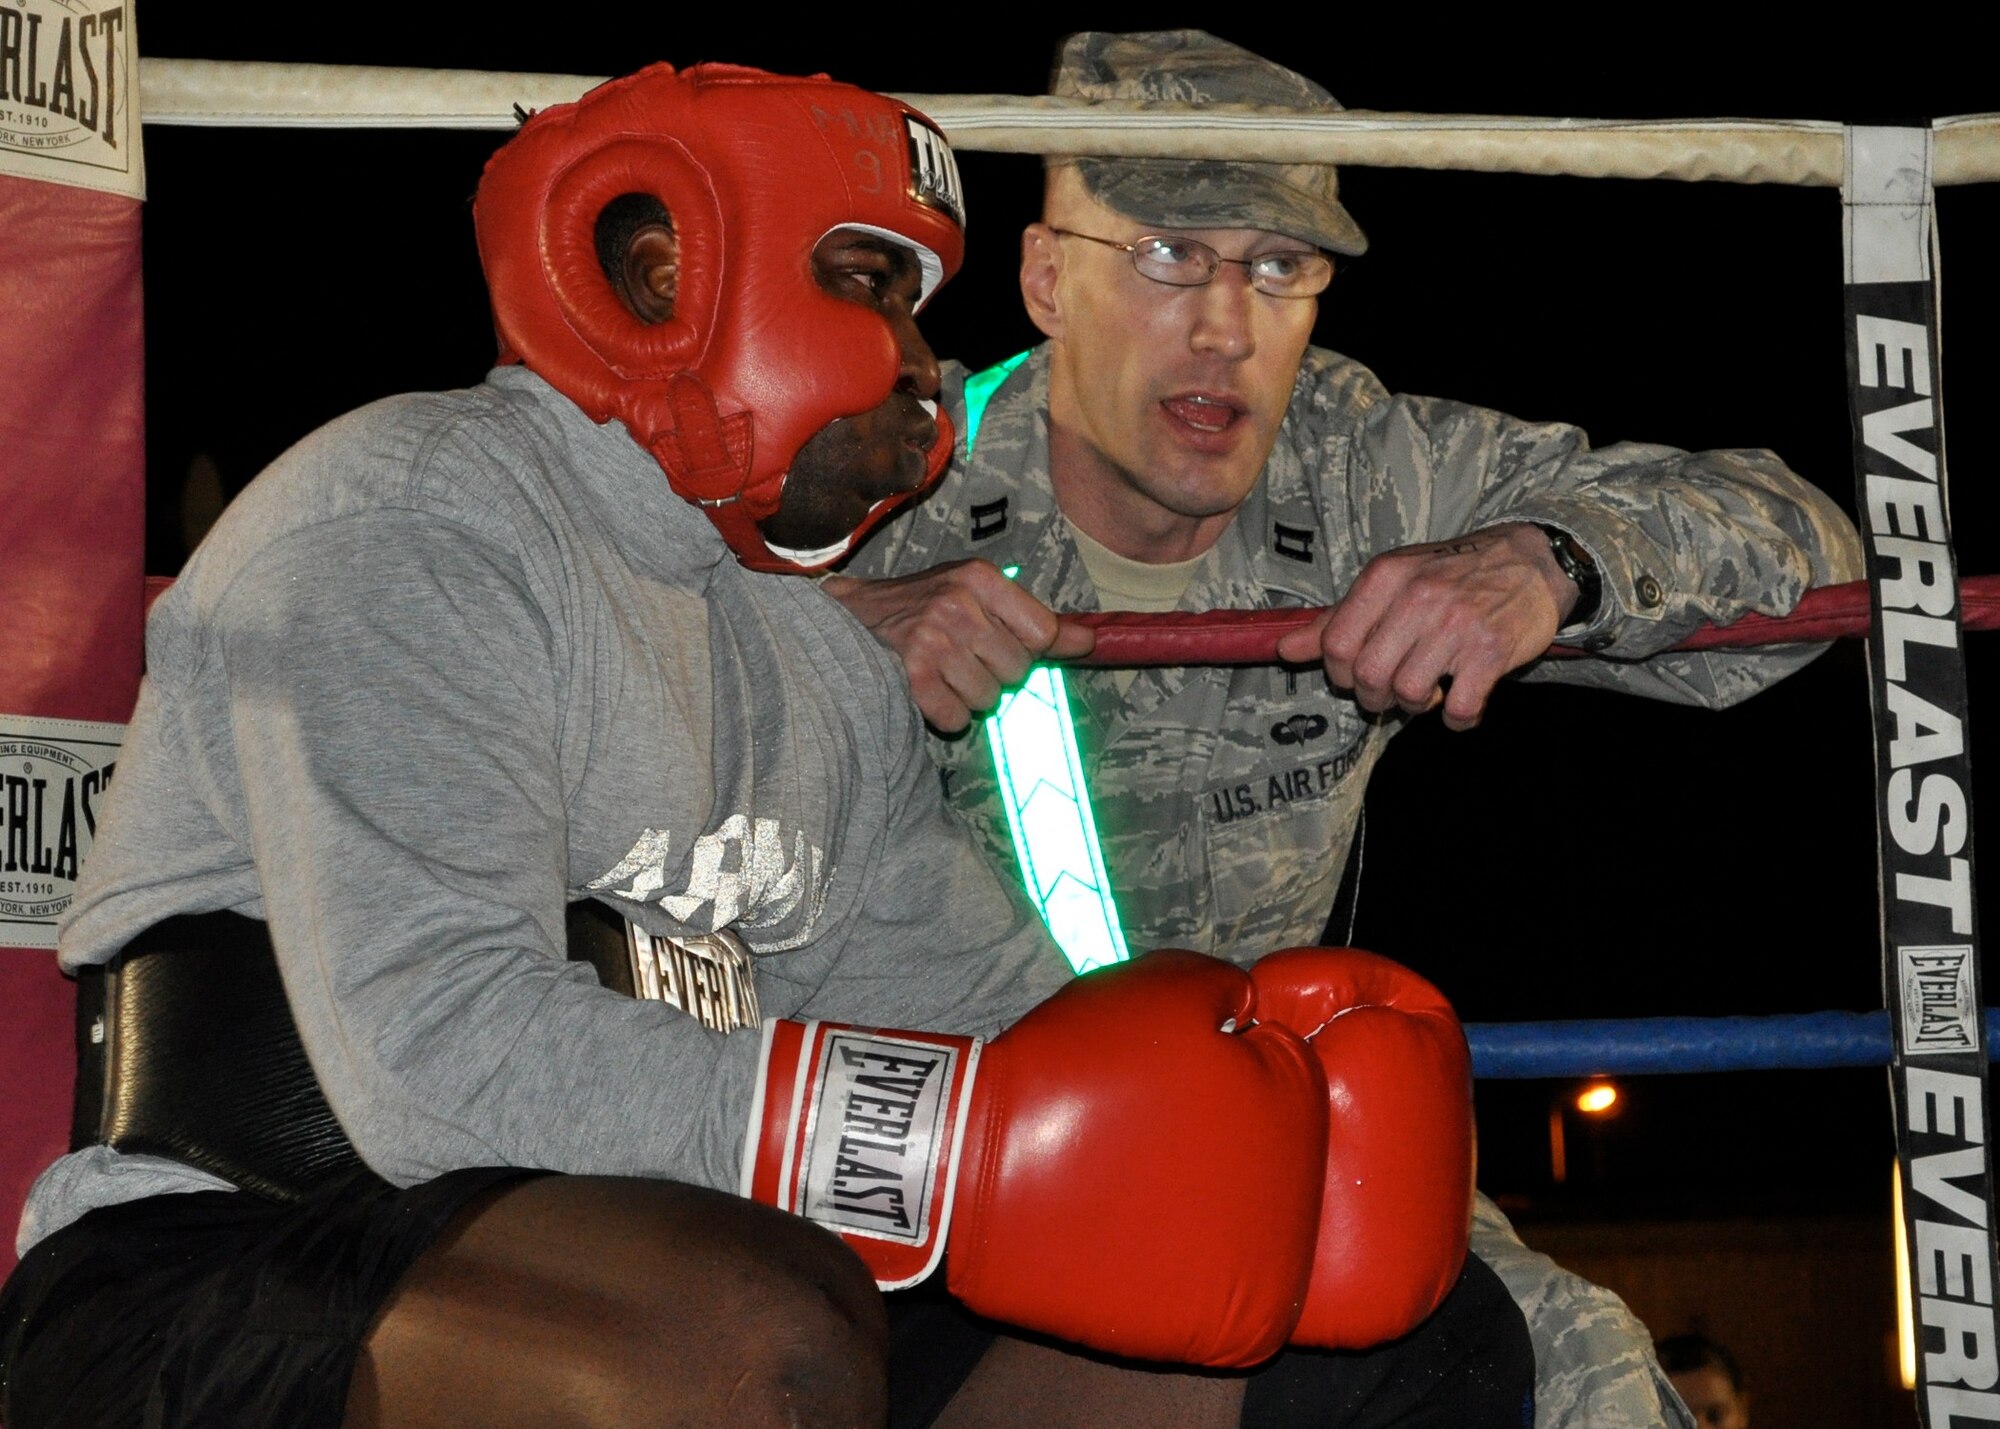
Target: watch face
1569	555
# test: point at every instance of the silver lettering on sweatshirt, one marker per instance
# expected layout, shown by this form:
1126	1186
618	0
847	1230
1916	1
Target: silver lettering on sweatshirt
745	873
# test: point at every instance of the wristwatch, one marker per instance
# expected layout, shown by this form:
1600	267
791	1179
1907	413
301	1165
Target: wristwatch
1580	568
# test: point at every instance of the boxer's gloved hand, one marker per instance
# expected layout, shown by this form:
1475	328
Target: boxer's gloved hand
1135	1165
1398	1202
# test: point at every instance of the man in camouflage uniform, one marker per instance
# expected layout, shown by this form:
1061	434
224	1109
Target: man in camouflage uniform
1176	444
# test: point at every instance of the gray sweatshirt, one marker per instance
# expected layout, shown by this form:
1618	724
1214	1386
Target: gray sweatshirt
458	659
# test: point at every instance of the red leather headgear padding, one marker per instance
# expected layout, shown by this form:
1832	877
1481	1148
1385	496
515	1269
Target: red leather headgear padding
755	169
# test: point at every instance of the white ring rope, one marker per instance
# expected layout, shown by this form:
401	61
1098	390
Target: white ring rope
1776	151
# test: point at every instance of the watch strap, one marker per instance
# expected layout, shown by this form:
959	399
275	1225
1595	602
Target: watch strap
1582	571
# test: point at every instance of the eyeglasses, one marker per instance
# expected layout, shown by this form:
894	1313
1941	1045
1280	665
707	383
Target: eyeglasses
1190	263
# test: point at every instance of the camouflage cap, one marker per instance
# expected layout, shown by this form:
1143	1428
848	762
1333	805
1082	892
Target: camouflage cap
1194	67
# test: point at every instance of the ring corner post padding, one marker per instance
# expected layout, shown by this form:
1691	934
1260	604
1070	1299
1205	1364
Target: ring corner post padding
72	483
1917	692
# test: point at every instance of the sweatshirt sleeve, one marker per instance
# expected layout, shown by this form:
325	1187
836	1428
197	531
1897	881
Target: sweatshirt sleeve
378	709
943	936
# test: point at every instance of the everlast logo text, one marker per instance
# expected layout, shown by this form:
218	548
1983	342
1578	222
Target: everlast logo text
1927	814
1937	1000
1955	1299
706	975
70	70
49	802
876	1133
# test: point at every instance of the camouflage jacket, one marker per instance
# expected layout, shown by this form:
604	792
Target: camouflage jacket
1226	798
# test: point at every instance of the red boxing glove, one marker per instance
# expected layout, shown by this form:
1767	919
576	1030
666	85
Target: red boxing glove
1135	1165
1398	1205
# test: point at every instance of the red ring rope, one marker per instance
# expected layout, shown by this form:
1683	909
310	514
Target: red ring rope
1250	637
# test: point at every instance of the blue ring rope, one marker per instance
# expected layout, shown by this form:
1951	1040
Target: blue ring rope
1645	1045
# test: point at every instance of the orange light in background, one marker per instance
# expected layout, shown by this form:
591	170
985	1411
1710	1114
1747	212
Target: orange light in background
1597	1099
1906	1330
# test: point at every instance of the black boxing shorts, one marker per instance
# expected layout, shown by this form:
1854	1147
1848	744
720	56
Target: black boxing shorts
219	1309
211	1309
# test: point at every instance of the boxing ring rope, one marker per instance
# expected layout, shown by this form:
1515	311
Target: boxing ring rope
219	93
1651	1046
1792	152
1250	637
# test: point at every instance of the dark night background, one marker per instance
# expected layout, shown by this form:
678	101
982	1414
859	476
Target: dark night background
1580	855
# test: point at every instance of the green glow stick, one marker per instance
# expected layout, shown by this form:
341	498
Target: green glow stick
1040	772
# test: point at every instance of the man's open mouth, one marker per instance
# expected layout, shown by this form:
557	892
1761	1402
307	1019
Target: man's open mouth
1204	413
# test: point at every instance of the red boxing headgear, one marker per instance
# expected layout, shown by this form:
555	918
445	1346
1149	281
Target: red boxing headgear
754	169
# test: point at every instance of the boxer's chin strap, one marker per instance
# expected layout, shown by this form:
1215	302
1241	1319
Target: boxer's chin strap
811	560
1039	768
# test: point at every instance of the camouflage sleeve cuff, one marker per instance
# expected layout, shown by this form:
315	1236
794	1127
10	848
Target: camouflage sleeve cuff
1633	597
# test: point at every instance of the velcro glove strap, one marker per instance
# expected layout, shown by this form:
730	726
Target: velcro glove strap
860	1130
